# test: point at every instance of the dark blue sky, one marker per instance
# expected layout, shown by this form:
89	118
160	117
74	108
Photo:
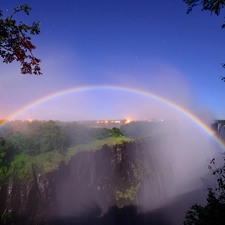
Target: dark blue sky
146	44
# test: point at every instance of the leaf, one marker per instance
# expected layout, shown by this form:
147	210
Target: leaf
15	44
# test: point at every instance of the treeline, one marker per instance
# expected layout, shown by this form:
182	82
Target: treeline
220	121
24	143
23	139
36	137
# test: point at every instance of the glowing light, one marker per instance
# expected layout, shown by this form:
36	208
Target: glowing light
127	121
179	108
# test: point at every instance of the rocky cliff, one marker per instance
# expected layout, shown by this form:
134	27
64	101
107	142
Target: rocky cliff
134	173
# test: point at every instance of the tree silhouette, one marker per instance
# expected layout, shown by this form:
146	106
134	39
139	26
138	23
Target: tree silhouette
213	213
214	6
15	44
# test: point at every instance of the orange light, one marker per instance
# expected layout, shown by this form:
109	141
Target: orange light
127	121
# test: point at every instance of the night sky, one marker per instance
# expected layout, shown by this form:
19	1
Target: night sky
152	46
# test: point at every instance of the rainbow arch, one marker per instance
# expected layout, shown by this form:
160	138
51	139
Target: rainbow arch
177	107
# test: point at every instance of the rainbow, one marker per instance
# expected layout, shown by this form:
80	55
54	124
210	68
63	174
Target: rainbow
180	109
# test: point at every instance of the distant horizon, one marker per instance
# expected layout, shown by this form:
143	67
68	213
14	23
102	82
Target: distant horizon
150	46
100	120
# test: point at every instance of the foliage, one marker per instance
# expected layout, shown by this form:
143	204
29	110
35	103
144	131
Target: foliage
15	44
213	213
115	132
47	162
6	217
39	137
24	143
100	133
52	137
43	145
22	166
214	6
95	145
7	153
112	141
221	121
6	131
128	194
3	162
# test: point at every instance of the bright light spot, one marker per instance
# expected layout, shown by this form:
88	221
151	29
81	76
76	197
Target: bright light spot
127	121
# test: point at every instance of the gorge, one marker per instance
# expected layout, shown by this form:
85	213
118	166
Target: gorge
129	182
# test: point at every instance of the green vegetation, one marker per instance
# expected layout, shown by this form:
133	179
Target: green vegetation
43	145
22	166
128	194
38	137
95	145
6	218
221	121
115	132
16	45
213	212
7	153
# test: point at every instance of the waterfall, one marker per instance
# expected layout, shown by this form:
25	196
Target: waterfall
221	131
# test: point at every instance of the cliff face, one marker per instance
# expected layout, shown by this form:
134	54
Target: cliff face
84	189
219	128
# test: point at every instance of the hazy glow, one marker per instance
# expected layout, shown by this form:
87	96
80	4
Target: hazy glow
127	121
118	92
150	65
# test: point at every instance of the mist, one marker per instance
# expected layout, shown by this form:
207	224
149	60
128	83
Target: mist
189	147
187	151
139	61
192	145
183	156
